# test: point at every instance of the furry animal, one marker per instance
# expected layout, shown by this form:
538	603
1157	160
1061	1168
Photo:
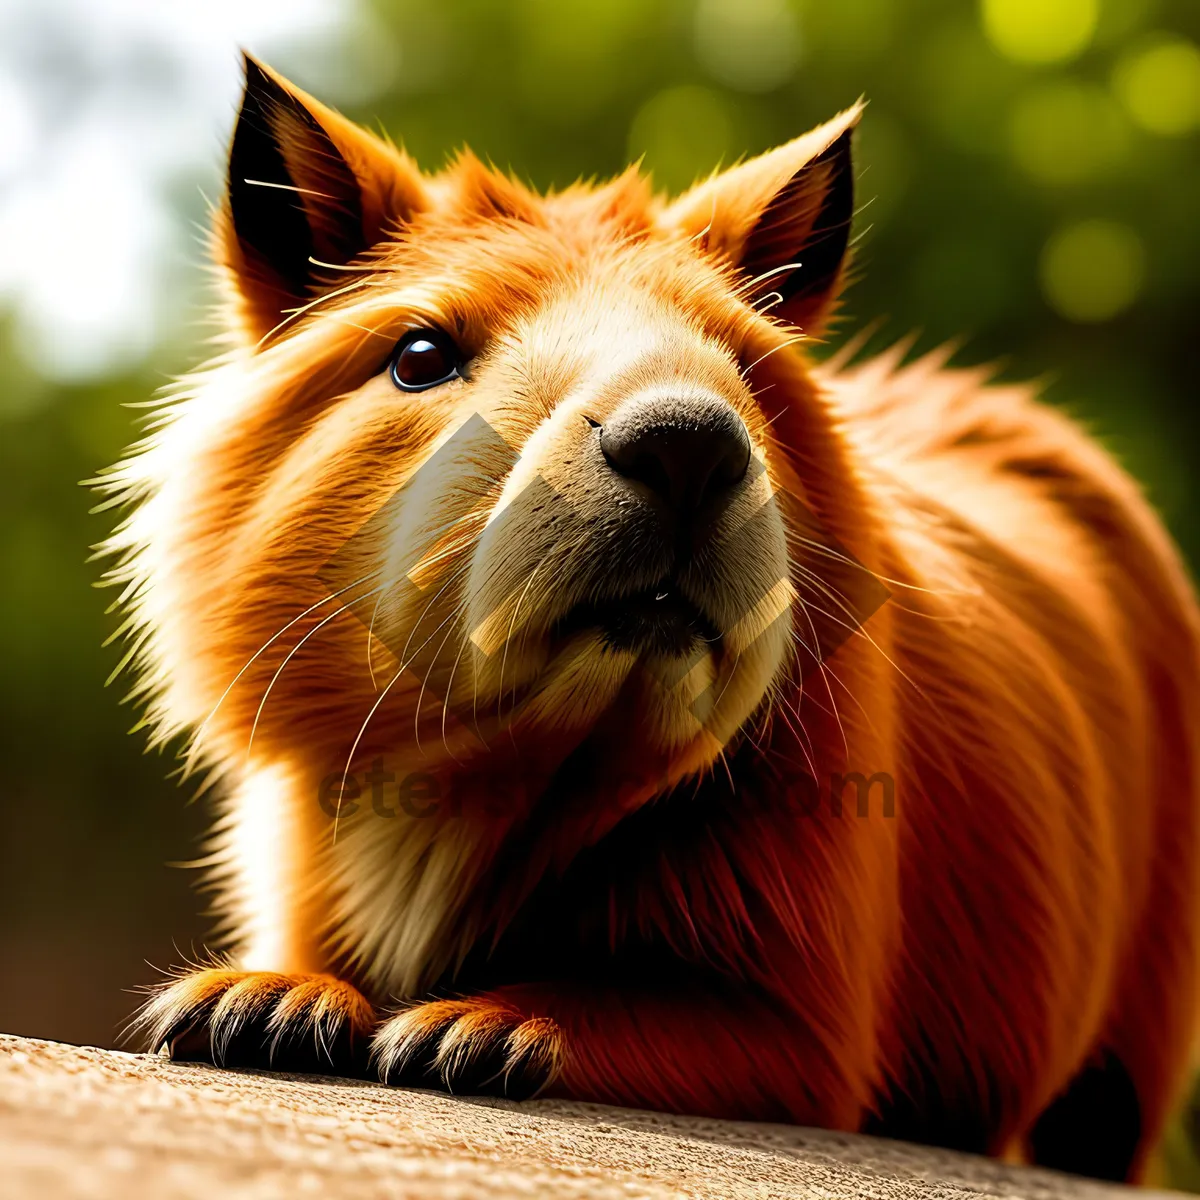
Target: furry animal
610	702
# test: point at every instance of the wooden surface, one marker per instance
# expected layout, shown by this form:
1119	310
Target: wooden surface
92	1123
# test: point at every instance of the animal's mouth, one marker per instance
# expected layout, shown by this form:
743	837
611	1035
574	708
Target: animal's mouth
659	621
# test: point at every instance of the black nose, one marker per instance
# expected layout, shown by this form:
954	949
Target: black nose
688	452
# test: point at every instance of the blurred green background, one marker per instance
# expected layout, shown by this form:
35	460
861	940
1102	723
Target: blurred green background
1030	181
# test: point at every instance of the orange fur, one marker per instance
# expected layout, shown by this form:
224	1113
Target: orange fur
636	903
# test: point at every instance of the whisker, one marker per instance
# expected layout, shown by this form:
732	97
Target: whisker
359	268
855	629
728	772
453	577
801	735
370	637
837	716
699	237
294	314
425	681
800	337
508	641
374	709
268	644
362	729
462	645
287	187
292	654
750	284
338	319
855	626
732	673
829	552
779	414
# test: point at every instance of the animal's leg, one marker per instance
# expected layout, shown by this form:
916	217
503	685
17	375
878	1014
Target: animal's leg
702	1052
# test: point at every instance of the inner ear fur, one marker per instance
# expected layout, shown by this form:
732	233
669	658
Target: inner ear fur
783	219
305	187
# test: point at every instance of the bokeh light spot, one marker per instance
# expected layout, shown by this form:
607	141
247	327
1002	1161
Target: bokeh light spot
1066	132
1040	31
683	132
751	45
1160	86
1092	270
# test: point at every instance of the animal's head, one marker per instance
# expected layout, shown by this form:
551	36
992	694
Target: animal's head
482	468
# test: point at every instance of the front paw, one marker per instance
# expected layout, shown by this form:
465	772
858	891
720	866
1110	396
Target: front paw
477	1046
309	1023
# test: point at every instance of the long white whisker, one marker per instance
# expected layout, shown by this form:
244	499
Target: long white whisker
453	577
827	672
855	627
801	734
270	642
454	617
292	654
792	341
508	641
828	552
728	681
816	652
728	772
462	645
370	637
338	319
750	284
359	267
295	314
287	187
362	729
357	739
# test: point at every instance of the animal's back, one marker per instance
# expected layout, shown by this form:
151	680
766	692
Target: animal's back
1046	646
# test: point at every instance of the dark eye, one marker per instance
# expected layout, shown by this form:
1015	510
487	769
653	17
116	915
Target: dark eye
423	359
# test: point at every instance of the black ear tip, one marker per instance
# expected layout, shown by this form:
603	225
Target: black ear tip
839	148
252	69
260	81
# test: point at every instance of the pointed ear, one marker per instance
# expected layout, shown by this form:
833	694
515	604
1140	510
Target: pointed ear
783	218
306	187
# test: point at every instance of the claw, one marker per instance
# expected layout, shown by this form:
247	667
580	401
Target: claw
476	1046
305	1023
